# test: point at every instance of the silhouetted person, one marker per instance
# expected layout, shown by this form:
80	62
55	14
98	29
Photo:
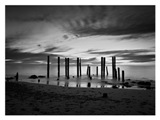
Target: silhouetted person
16	76
38	80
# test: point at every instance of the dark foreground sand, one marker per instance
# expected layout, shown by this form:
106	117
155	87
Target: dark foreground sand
37	99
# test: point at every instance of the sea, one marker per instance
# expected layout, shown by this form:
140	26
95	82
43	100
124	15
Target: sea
140	73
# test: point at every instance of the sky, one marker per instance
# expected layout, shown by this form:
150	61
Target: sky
88	32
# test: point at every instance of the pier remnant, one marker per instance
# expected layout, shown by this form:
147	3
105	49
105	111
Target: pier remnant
67	68
102	67
97	70
80	67
123	76
118	74
89	71
114	67
115	73
104	63
48	67
106	70
77	67
58	67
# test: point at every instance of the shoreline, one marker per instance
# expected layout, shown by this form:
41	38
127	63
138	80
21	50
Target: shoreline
39	99
85	82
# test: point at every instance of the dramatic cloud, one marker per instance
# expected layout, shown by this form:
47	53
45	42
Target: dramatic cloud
89	32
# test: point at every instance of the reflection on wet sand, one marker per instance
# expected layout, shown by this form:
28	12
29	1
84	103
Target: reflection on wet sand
66	84
87	83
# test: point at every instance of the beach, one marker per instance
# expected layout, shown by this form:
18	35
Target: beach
24	98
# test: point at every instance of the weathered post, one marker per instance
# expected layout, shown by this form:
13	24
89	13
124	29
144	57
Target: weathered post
123	76
115	63
107	70
101	67
80	67
68	68
118	74
97	70
104	62
65	67
89	71
113	67
115	74
77	67
58	67
48	67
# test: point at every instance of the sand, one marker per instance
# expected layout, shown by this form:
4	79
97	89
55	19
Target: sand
39	99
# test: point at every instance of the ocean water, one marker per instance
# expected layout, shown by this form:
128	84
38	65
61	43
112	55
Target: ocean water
131	72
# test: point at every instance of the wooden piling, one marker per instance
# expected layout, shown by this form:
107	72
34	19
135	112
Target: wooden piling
58	67
118	74
113	67
89	71
101	67
97	70
115	74
104	62
77	67
122	75
68	68
80	67
106	70
48	67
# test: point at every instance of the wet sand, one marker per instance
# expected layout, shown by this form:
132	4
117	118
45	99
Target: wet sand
39	99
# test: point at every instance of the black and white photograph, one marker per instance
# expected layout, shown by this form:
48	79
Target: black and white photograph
80	60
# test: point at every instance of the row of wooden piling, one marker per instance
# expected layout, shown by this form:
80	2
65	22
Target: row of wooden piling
115	72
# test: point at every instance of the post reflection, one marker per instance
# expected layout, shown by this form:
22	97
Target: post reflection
66	84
